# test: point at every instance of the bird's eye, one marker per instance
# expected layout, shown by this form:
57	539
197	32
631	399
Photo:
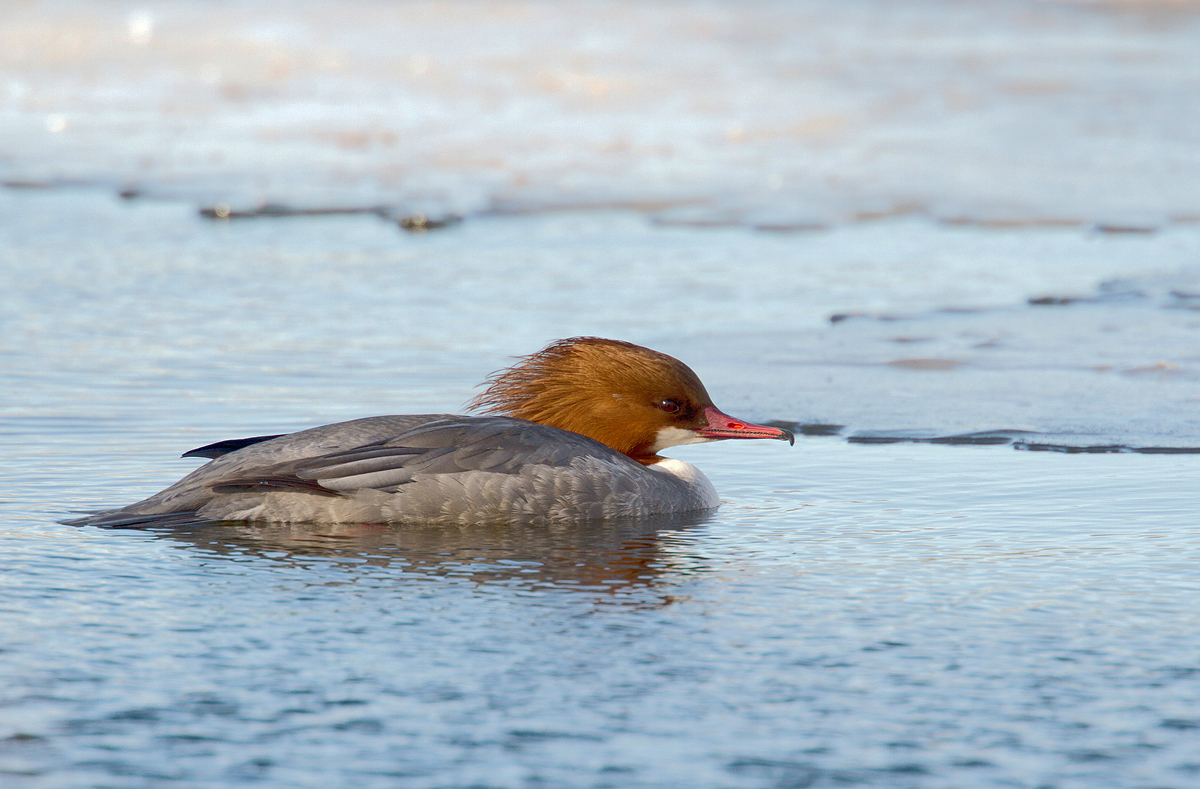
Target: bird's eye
668	406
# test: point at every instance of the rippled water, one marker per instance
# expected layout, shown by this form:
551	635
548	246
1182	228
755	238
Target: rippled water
896	616
1008	261
887	615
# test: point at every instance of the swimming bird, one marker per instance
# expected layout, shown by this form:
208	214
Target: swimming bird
570	433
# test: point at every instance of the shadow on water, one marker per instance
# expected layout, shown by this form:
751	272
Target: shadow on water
604	555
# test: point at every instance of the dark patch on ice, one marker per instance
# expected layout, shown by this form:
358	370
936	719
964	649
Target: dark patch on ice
1019	439
987	437
21	184
414	222
1120	227
419	222
796	226
1107	292
275	210
845	316
1011	222
927	365
38	184
808	429
1100	449
1056	301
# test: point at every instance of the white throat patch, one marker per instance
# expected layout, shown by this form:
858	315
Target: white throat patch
677	436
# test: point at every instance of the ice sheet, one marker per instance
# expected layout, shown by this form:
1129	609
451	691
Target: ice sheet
774	114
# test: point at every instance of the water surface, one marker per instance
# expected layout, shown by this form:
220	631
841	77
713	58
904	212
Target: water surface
868	614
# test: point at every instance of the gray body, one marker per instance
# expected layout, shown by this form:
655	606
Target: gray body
429	468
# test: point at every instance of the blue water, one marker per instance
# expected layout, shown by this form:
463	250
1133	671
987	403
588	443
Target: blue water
880	615
981	618
978	619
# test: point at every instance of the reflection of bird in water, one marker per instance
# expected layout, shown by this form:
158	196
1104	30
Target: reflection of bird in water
607	557
575	436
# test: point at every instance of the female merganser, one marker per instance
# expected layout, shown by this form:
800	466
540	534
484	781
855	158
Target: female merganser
575	436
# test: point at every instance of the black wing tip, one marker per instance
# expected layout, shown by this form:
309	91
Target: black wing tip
219	448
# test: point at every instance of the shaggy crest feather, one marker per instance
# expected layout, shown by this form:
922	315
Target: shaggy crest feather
595	387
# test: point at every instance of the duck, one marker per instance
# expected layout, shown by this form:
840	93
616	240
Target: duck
571	433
